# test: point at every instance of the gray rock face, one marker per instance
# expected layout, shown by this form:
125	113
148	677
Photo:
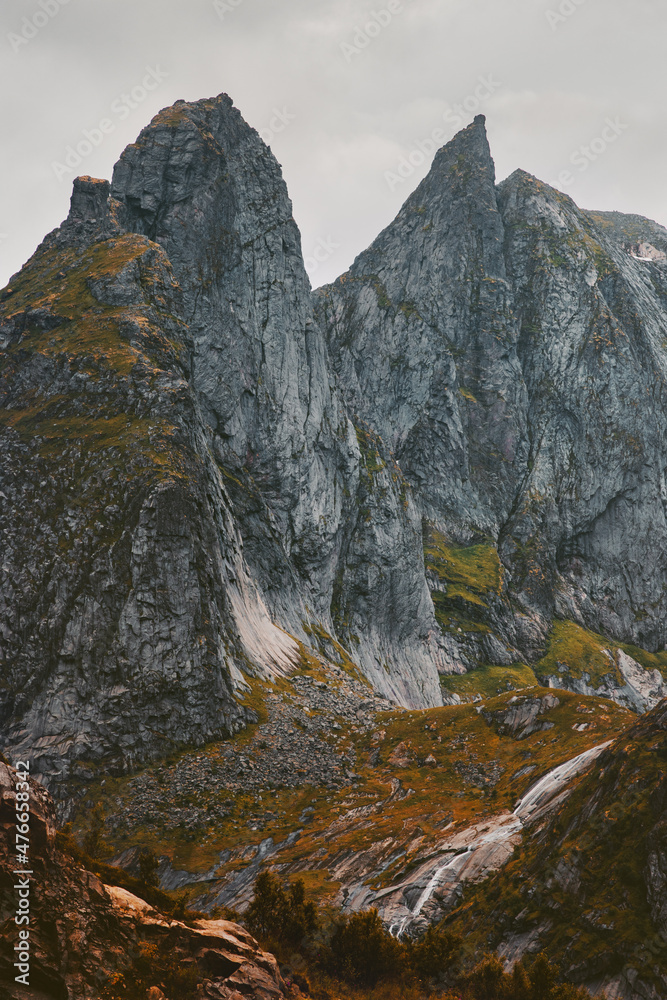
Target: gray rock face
509	348
330	533
631	685
430	303
186	495
205	471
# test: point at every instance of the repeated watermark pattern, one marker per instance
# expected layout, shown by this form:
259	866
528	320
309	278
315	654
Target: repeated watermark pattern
278	123
23	873
455	116
323	250
120	109
563	13
365	33
32	25
584	155
223	7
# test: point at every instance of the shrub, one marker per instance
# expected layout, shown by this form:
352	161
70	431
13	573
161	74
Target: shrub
434	954
158	965
94	843
148	865
489	981
154	965
363	951
280	916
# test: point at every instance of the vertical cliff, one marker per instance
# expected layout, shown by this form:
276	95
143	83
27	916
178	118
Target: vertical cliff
510	349
187	499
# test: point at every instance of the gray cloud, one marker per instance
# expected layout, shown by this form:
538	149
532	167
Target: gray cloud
355	89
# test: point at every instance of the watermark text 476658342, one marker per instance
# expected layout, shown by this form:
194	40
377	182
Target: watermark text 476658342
22	873
120	109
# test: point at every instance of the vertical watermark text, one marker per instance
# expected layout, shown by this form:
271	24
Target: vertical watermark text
23	873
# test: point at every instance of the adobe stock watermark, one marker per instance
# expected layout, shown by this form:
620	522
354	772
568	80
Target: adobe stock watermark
364	34
563	13
223	7
582	157
455	118
33	24
278	123
121	108
324	249
22	872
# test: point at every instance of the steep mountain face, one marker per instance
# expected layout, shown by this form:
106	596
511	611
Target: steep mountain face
329	530
184	494
589	885
210	477
510	350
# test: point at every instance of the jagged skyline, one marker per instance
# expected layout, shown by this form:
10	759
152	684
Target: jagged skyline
320	82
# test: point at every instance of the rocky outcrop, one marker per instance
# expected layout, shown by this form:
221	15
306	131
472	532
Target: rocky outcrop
87	939
509	348
628	683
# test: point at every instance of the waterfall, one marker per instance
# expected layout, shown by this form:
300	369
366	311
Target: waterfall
543	792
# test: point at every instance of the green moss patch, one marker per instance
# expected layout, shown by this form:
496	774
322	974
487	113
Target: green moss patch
488	681
575	651
471	572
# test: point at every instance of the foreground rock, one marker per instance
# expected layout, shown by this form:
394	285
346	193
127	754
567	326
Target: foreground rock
87	938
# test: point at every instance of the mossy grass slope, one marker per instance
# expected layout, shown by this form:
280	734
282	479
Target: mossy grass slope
581	882
455	765
582	654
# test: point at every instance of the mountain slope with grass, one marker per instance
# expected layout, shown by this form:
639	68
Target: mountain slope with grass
589	886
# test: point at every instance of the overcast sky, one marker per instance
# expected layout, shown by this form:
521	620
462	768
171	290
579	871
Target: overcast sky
350	94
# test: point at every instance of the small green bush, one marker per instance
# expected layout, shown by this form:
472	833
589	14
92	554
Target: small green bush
434	954
362	950
280	916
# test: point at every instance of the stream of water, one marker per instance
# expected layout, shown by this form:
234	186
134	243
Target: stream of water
536	798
